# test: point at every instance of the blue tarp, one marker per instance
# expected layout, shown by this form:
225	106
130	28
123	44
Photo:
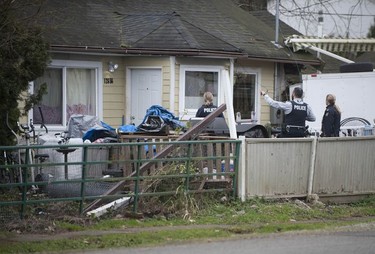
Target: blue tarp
107	126
103	131
127	128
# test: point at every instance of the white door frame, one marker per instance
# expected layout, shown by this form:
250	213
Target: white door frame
258	74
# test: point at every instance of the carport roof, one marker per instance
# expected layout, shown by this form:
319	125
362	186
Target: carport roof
299	42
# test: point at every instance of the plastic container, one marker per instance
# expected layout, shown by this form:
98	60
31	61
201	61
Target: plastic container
231	165
368	130
214	171
238	117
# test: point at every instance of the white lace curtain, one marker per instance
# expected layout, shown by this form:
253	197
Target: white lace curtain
80	86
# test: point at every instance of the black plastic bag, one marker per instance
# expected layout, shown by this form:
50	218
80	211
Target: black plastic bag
153	123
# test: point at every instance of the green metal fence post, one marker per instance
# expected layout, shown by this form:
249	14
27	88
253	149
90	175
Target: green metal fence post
83	180
187	165
24	187
136	187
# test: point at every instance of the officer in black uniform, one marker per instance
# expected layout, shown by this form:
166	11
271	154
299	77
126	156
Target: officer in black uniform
296	113
331	118
208	106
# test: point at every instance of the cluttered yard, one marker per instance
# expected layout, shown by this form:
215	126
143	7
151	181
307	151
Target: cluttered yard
63	176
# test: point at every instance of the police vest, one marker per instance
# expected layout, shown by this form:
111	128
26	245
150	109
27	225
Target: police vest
205	110
298	115
209	109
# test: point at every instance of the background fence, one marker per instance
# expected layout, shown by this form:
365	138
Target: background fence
303	166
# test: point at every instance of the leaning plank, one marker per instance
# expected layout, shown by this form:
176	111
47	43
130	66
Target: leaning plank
189	135
110	206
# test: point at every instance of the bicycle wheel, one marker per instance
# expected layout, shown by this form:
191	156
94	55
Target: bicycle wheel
353	126
11	171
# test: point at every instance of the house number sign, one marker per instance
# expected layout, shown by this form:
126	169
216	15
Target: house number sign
108	80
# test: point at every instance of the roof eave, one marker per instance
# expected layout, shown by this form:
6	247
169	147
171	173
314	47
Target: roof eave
144	51
171	52
286	60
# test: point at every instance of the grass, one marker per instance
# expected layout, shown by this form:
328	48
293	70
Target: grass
213	220
114	241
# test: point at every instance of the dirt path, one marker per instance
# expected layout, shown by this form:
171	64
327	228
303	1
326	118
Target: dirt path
360	223
66	235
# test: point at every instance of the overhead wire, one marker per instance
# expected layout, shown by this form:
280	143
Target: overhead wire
307	12
290	51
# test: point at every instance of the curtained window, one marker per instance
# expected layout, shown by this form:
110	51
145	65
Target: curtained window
51	104
70	90
80	87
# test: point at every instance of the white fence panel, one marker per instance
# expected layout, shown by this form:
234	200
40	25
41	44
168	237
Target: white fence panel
299	166
345	166
277	166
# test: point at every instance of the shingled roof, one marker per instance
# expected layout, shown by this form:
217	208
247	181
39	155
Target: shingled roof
175	27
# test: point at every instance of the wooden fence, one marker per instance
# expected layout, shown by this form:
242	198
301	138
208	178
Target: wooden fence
218	154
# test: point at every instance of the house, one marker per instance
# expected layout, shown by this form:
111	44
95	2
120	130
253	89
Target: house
114	59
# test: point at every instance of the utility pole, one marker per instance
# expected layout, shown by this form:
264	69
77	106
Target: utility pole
277	67
277	24
320	24
320	27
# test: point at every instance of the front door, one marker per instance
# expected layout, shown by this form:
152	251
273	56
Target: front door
145	91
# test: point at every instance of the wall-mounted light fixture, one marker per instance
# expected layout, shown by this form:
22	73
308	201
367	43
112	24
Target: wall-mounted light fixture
112	67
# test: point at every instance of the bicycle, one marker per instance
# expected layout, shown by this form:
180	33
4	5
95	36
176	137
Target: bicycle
14	169
36	175
11	172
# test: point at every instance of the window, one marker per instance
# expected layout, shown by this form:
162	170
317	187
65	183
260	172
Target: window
72	88
244	91
195	81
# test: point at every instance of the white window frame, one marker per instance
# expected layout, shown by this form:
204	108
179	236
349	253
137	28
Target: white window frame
64	64
186	114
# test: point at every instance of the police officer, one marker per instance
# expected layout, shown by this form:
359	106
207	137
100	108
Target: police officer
296	113
208	106
331	118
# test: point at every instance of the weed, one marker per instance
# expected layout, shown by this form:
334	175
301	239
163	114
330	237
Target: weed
368	201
